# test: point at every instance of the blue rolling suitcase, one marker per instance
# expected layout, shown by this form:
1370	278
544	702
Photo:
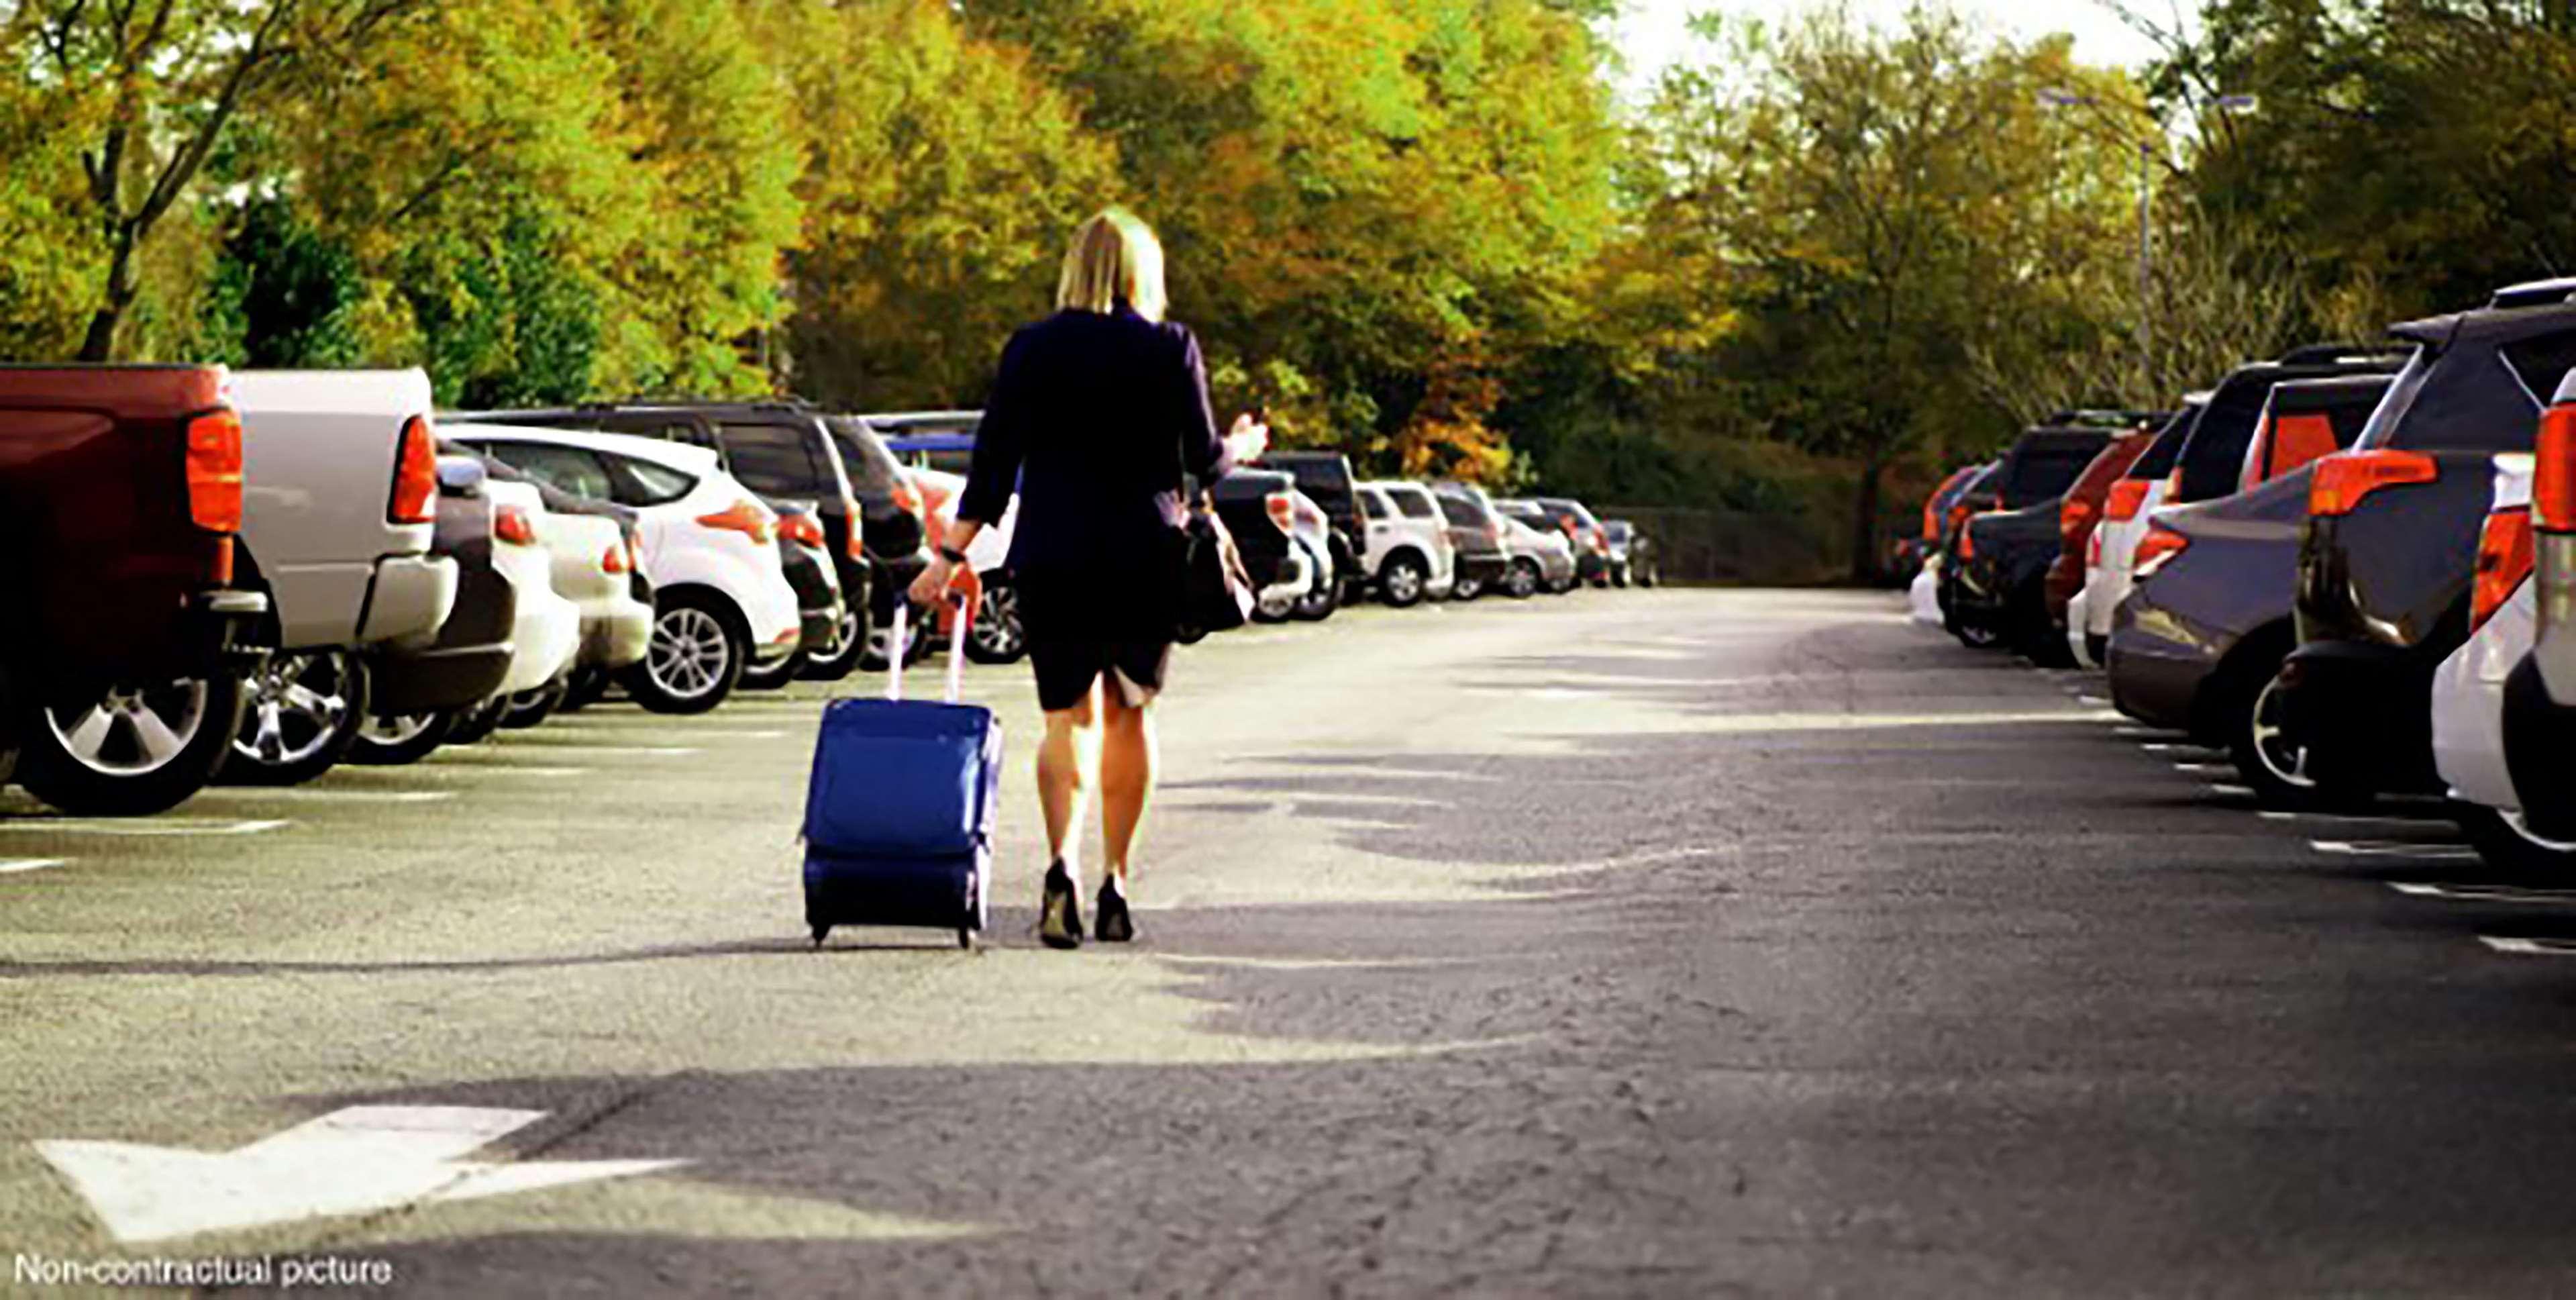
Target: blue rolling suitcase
899	810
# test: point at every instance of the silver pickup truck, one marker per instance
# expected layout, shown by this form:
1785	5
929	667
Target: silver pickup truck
340	497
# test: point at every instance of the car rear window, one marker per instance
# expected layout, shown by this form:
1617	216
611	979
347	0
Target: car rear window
1460	512
1415	505
1372	506
2046	470
2541	361
775	460
1321	477
566	469
643	483
873	469
2167	448
2462	398
2215	456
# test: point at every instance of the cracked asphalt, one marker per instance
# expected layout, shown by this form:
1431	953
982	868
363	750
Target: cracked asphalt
1674	942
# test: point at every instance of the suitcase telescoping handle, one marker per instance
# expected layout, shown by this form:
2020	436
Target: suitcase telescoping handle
895	643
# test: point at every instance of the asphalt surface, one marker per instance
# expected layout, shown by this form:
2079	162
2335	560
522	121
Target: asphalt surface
1673	942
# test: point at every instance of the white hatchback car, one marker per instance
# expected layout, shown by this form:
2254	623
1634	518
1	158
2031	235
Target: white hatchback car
1408	552
2469	687
546	637
720	600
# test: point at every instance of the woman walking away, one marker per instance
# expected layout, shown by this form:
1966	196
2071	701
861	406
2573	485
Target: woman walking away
1095	413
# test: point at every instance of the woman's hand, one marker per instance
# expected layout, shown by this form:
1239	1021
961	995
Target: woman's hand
1247	439
933	584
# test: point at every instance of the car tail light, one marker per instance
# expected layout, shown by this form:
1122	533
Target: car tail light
2128	497
415	476
615	560
747	517
1283	510
2074	517
1967	544
803	528
2553	479
856	546
2504	560
2343	480
215	471
2158	546
1959	516
1600	542
511	524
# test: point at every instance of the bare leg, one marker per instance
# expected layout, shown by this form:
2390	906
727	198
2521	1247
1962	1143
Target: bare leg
1128	758
1067	760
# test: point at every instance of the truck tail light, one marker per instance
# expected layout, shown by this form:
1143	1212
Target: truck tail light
415	476
802	528
855	546
2073	518
745	517
2128	497
1283	510
2343	480
2553	479
1967	544
614	560
2504	561
2160	545
215	471
512	524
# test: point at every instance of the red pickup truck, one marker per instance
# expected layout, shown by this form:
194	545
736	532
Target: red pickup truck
120	494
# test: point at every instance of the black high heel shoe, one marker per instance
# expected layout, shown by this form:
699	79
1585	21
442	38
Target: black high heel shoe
1060	912
1110	922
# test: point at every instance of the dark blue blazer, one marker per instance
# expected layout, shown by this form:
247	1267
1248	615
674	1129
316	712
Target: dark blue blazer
1094	418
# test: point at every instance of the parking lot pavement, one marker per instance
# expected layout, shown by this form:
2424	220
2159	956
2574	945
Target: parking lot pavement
1668	942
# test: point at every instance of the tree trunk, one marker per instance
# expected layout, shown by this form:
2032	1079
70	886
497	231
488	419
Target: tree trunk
100	346
1864	558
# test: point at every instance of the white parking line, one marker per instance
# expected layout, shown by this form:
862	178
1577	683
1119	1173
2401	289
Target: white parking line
11	868
2376	819
2204	769
2486	893
694	733
327	794
2392	849
155	827
2526	947
2096	701
532	751
2229	790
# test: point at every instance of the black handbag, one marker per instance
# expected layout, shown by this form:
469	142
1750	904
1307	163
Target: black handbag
1215	590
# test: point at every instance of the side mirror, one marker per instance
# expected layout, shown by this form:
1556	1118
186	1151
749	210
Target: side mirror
460	476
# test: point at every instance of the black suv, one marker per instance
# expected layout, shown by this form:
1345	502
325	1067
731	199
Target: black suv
2211	463
1996	568
2390	551
1326	477
787	451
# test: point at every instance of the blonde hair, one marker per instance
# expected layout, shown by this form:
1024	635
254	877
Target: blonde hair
1114	258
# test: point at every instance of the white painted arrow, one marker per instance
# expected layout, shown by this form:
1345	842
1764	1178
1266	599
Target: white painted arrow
350	1161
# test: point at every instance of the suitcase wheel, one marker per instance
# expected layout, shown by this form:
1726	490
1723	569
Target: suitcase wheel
966	938
819	932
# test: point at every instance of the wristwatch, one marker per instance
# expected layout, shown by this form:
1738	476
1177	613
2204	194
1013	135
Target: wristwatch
952	555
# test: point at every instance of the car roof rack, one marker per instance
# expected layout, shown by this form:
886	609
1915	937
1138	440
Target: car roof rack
2319	354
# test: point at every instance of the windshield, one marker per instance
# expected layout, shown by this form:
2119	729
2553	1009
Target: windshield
2167	448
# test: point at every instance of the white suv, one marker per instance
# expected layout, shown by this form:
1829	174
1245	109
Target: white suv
1409	555
720	599
339	501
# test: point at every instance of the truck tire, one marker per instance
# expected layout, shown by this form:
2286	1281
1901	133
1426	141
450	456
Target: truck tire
698	650
132	752
301	718
1402	580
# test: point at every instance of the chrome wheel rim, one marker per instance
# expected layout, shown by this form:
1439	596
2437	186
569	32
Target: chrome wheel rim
2515	822
2285	760
298	703
997	621
395	732
1277	606
688	654
1404	583
131	731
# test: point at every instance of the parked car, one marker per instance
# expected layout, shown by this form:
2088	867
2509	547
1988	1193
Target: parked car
546	636
2468	696
2108	555
1997	568
1645	558
418	694
2079	513
2539	708
805	557
721	601
1542	555
899	537
2387	563
1475	539
995	635
1913	549
1554	578
2307	419
1407	555
2212	461
594	545
1259	508
2207	624
1583	533
1326	477
340	502
783	451
120	501
1314	533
